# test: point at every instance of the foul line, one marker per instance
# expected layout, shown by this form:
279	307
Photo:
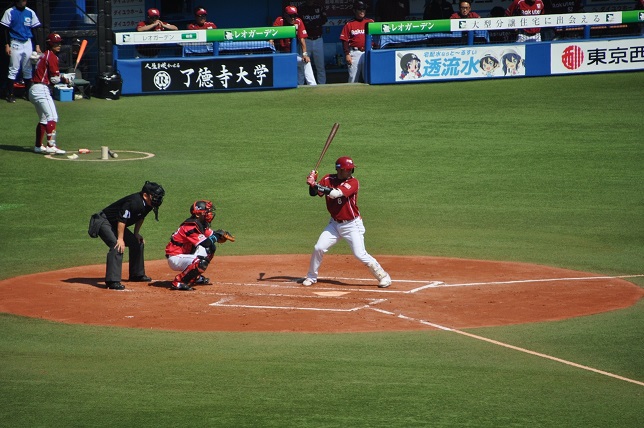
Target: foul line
515	348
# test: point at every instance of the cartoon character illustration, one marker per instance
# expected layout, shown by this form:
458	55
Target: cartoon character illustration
489	63
410	66
512	63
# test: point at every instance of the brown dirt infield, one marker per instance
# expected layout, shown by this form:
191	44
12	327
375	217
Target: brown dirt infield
260	293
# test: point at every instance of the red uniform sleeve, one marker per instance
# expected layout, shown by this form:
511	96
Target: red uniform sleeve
301	29
345	33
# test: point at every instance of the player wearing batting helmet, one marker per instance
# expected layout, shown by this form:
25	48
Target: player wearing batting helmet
341	193
46	73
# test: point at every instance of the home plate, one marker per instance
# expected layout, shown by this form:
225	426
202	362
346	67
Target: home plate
331	293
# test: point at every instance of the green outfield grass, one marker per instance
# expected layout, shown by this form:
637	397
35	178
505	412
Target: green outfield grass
539	170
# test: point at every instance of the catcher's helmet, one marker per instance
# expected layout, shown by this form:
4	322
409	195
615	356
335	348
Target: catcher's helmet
152	12
155	191
290	10
54	39
345	162
204	208
359	5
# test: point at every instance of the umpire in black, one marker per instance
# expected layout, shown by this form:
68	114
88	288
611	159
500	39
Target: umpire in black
112	224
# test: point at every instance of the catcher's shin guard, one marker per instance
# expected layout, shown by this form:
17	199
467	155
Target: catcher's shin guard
192	272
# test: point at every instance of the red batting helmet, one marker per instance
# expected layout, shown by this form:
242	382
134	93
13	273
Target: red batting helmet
154	12
200	11
54	39
345	162
290	10
203	208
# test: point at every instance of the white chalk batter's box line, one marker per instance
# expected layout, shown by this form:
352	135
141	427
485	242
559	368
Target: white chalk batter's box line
223	302
426	284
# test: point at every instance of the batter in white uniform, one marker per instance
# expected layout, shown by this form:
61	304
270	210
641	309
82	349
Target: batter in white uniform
19	21
341	194
47	72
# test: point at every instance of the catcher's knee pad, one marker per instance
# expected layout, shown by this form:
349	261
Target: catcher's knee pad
203	263
196	268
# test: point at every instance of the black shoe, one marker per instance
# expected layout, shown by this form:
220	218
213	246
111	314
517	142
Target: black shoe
180	286
11	98
142	278
115	285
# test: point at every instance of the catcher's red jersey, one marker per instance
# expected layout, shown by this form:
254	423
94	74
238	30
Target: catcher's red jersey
354	33
345	207
523	8
187	237
46	68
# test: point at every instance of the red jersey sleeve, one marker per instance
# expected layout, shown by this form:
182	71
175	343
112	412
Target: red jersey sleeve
300	29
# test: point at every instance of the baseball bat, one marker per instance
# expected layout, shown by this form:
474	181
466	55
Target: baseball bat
334	129
81	51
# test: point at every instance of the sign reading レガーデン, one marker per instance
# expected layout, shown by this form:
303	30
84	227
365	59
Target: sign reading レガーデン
217	35
213	74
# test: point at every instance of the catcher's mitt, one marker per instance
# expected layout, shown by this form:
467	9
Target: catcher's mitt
223	236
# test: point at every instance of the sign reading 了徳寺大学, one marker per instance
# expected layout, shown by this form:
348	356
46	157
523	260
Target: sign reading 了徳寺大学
216	35
597	56
212	74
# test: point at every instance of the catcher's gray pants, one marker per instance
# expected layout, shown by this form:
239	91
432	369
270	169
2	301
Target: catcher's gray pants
114	263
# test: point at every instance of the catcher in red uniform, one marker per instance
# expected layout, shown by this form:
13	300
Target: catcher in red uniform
192	246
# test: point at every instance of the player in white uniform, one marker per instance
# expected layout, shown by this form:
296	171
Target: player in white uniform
19	21
47	72
341	191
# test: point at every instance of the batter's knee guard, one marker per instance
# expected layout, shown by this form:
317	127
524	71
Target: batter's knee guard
192	272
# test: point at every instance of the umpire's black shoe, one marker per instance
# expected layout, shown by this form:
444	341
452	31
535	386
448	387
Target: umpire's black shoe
142	278
115	285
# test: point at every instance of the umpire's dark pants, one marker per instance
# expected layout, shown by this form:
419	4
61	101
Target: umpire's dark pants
114	265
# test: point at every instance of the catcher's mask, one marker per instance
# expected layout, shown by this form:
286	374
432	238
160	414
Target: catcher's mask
203	208
346	163
156	193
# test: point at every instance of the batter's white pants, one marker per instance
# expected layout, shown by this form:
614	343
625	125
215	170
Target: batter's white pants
40	97
20	53
352	231
356	69
304	72
181	261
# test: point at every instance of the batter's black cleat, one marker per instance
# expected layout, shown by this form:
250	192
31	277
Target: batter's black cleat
202	280
142	278
115	285
180	286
